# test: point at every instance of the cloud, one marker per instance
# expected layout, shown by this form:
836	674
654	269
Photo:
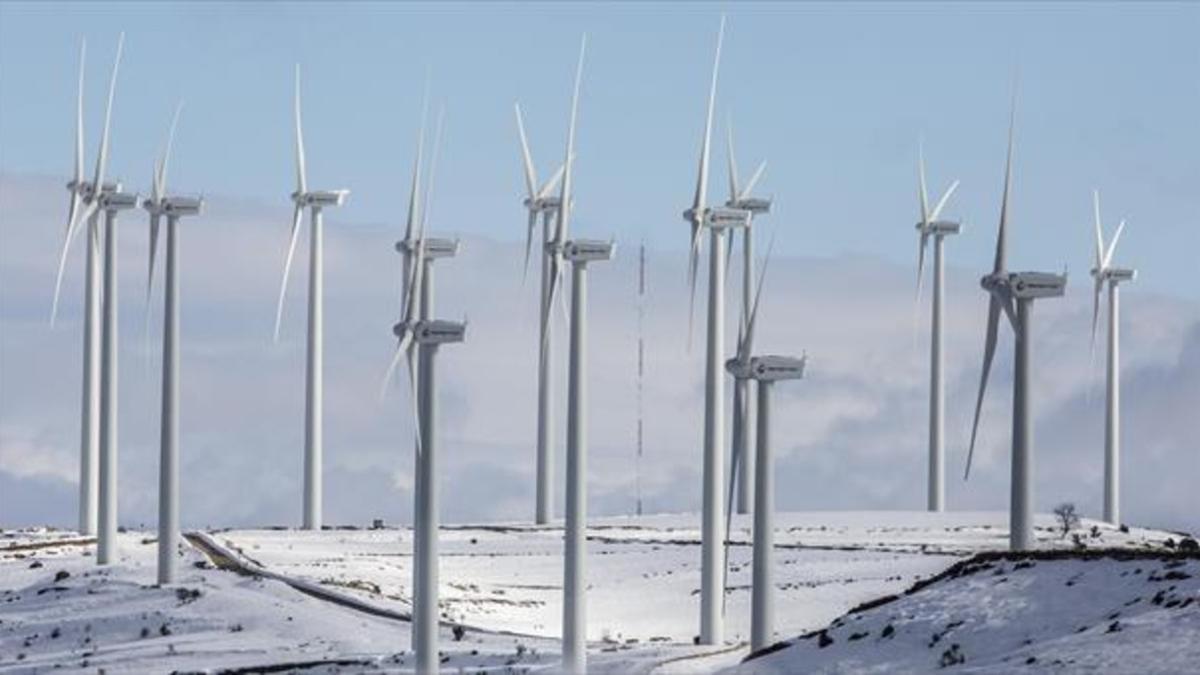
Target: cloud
852	435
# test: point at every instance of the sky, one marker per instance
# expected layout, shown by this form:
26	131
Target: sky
835	97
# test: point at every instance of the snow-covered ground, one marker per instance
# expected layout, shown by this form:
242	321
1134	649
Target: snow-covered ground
1102	615
339	598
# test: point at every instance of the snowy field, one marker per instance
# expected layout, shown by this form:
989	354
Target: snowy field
339	599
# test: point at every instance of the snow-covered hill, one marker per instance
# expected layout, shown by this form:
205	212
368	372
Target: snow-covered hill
1108	612
339	599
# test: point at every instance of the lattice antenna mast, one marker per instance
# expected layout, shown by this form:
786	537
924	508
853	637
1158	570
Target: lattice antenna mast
641	368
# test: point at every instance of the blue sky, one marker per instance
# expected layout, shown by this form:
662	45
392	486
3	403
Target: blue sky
834	96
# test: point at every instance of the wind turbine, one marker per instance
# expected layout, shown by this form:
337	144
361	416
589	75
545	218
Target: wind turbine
717	220
419	334
740	197
1013	293
767	370
110	201
316	201
158	205
85	207
541	202
931	226
738	366
579	253
1104	272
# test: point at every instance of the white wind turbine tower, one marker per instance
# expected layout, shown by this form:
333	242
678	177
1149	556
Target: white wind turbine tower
110	202
84	195
766	370
540	201
717	220
931	226
420	335
1104	272
1013	293
739	368
740	197
579	253
85	208
315	200
162	204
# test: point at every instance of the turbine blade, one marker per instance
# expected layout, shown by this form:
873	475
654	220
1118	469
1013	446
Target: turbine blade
729	257
154	224
433	162
548	301
73	211
401	346
1112	245
533	216
78	176
734	191
552	183
301	172
565	205
72	228
693	265
526	158
155	182
287	266
700	198
1099	230
1097	287
1002	236
989	351
102	159
161	184
414	196
922	192
921	261
937	210
758	172
762	277
414	394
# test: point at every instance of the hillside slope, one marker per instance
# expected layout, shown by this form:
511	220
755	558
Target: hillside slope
1115	611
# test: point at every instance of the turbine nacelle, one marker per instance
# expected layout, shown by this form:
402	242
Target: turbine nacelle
182	206
1114	274
118	201
588	250
940	227
85	189
774	368
439	331
433	247
754	205
321	197
1029	285
174	206
719	217
540	204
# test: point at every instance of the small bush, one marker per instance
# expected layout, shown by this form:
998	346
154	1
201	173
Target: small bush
1068	518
